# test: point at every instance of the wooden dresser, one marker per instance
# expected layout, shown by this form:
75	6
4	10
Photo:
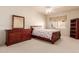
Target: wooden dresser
17	35
74	28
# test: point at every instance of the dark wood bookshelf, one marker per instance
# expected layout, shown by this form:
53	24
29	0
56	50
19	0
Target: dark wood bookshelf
74	28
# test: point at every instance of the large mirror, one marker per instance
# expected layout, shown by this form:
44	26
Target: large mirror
18	21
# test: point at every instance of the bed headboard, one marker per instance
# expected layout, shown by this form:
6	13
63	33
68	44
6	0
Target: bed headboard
32	27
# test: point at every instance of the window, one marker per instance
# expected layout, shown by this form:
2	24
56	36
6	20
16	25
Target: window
58	22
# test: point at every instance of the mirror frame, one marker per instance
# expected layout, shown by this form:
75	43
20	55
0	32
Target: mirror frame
15	19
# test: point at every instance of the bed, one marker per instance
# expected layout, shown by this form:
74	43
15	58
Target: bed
51	35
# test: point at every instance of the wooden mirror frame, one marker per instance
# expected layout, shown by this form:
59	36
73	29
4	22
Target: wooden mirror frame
15	19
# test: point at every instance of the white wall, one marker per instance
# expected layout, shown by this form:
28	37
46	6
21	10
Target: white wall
31	18
70	15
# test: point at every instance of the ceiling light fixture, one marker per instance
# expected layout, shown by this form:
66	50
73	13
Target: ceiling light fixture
48	9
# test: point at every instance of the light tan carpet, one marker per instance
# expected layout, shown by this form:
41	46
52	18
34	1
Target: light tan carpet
65	44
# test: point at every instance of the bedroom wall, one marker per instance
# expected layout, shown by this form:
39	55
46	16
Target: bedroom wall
31	18
70	15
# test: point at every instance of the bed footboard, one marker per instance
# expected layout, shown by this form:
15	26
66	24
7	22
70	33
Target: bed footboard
55	36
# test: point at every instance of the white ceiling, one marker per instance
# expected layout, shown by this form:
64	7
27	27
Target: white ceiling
55	9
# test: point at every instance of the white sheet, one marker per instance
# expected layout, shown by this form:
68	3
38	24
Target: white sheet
47	33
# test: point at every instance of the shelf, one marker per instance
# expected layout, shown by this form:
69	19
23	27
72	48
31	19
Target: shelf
72	36
73	27
73	30
73	33
73	20
73	24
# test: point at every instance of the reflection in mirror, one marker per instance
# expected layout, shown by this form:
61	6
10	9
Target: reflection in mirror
18	21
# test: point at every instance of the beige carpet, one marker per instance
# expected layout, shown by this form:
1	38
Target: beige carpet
65	44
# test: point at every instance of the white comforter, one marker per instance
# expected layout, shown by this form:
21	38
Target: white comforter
47	33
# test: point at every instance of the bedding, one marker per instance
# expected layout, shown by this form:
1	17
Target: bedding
47	33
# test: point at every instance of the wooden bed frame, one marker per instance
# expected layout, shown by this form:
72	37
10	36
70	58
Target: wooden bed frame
55	36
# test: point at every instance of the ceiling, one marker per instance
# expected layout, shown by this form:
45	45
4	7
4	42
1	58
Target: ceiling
55	9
